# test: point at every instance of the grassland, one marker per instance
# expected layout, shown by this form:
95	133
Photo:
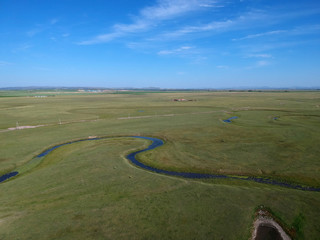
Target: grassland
88	190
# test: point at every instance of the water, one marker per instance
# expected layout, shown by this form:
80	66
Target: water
229	119
7	176
267	233
157	143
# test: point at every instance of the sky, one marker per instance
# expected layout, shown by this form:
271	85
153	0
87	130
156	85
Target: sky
160	43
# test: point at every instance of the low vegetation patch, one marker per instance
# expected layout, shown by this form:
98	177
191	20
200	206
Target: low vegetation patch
87	190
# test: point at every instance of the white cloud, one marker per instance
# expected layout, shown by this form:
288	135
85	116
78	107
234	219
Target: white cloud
181	73
201	28
128	28
102	38
34	32
39	28
262	63
247	20
185	48
199	59
222	67
167	9
149	17
180	50
54	21
261	55
259	64
301	30
22	48
244	21
260	35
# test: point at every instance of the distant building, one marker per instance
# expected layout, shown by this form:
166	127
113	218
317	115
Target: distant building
182	100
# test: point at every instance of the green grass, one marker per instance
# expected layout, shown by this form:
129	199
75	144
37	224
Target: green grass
88	190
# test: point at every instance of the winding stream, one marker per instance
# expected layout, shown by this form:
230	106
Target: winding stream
157	143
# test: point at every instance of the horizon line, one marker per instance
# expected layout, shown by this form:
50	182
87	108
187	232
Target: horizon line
161	88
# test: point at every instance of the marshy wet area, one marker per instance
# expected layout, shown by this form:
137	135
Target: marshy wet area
267	233
267	228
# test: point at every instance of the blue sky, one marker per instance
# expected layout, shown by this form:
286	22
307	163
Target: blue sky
160	43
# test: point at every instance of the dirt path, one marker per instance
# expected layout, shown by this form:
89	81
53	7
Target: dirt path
43	125
169	115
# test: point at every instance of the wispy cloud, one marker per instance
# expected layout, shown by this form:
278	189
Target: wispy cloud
301	30
154	17
261	55
222	67
306	29
259	64
244	21
22	48
191	54
39	28
54	21
199	59
262	63
276	32
180	50
102	38
197	29
150	17
45	69
167	9
4	63
181	73
263	47
34	31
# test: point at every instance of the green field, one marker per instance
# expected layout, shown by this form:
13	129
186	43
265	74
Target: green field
88	190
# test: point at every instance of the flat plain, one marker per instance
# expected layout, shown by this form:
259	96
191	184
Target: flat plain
88	190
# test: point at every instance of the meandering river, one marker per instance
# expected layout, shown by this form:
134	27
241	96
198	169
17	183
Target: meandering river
157	143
